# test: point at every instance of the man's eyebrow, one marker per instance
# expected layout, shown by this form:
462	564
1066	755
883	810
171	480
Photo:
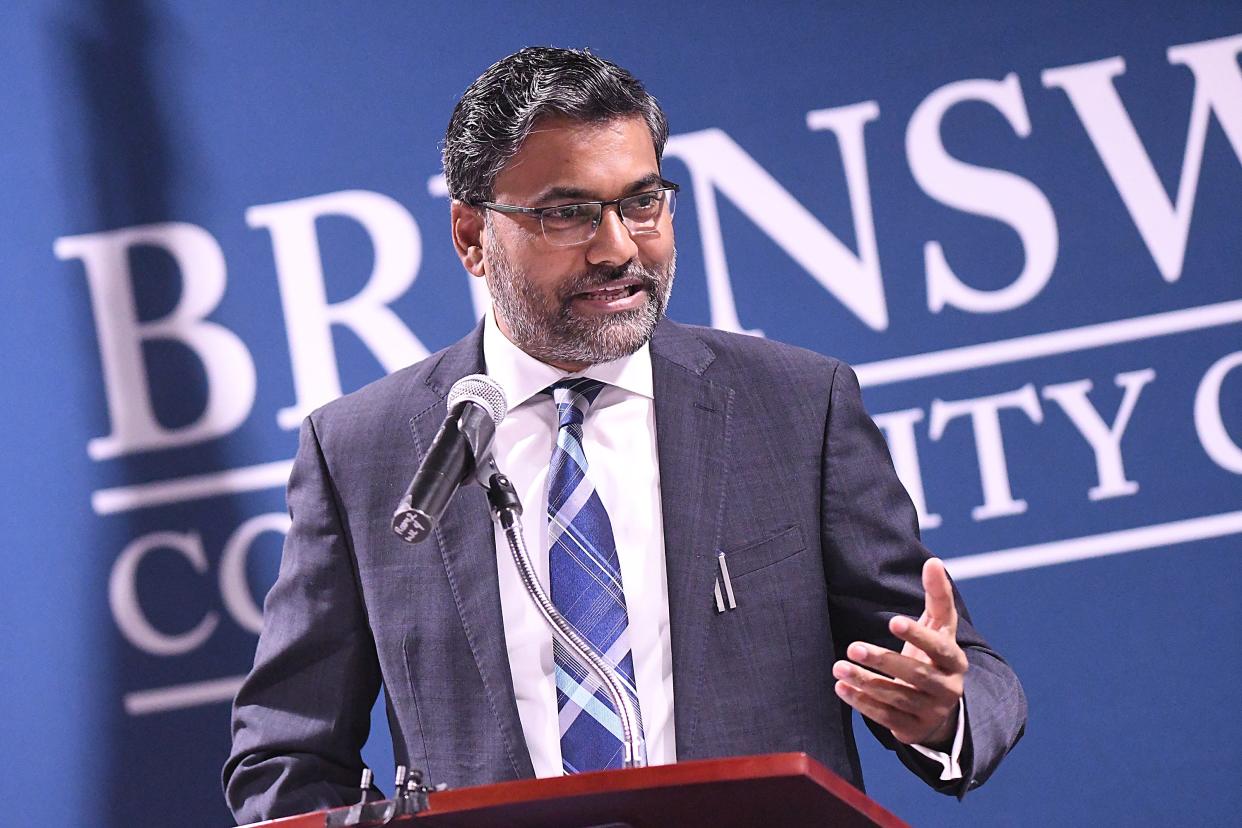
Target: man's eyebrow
647	181
561	193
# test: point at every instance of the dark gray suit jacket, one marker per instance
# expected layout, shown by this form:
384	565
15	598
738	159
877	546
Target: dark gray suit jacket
765	453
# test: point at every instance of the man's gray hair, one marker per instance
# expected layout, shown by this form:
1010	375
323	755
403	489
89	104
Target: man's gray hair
497	112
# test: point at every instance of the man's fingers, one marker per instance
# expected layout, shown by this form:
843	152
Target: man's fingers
941	611
901	723
930	675
939	646
892	692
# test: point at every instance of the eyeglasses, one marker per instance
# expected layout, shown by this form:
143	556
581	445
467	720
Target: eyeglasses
568	224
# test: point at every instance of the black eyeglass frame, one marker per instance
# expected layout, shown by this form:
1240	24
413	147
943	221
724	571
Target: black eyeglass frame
538	212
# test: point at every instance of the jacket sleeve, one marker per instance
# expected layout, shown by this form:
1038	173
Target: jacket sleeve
303	714
873	560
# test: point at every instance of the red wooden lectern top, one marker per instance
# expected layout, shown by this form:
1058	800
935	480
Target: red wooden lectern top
786	789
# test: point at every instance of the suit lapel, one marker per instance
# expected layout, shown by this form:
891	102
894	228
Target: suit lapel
692	431
467	546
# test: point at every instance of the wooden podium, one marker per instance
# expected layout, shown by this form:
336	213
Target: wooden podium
785	789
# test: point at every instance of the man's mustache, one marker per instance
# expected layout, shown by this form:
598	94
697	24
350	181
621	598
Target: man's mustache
598	278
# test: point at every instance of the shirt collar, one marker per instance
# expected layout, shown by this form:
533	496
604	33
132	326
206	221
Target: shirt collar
522	376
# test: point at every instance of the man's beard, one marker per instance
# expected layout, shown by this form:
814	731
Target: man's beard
546	326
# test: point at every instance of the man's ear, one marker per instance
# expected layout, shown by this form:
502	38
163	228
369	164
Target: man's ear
468	231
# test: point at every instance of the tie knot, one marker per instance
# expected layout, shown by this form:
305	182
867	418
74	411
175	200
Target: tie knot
573	398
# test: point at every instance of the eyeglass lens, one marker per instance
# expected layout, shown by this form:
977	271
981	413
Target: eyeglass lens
576	223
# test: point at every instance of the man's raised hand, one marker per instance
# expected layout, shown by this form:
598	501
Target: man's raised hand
914	693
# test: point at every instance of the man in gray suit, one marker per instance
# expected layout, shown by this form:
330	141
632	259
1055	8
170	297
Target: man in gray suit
716	456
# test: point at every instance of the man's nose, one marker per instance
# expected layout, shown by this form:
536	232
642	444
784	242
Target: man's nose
612	243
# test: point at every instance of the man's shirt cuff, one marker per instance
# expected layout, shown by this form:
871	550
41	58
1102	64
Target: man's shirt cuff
950	762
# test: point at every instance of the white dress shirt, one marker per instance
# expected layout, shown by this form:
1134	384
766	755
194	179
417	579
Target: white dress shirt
618	437
619	441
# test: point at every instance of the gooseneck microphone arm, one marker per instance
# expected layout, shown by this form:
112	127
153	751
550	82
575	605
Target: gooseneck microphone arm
506	510
460	452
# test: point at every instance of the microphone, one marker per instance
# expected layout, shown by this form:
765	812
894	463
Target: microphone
476	405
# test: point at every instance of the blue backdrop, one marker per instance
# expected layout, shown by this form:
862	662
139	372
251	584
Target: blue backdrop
1023	225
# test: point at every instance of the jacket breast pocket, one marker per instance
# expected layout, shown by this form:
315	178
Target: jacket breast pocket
753	557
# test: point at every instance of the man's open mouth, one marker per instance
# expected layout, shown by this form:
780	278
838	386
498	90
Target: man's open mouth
609	293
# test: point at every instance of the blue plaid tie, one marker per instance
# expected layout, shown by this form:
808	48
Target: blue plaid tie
586	587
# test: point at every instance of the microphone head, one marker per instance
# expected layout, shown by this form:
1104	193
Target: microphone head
481	389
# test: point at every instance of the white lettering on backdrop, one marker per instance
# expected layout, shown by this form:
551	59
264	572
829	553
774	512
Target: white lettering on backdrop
308	315
1164	226
227	362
